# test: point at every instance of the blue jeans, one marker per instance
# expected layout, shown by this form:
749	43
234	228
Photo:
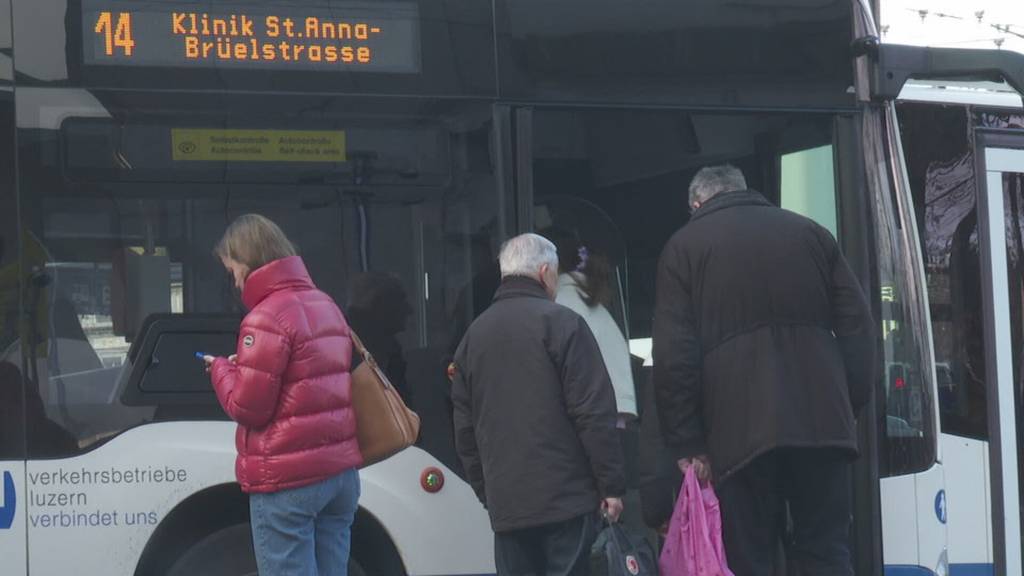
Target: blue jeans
305	531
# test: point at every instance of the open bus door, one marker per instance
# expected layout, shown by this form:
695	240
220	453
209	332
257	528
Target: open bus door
1000	189
1000	194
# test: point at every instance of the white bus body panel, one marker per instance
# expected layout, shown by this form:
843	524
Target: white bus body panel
969	502
103	527
913	521
12	510
899	521
932	517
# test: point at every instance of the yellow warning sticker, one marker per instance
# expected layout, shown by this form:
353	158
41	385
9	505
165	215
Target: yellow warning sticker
200	144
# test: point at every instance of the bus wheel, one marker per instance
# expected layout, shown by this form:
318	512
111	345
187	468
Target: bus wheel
228	552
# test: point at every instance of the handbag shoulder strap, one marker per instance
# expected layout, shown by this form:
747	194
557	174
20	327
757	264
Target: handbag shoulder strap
361	348
358	343
368	359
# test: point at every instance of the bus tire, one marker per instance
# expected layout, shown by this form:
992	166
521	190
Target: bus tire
228	552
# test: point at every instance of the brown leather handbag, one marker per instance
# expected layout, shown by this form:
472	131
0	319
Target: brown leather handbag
384	424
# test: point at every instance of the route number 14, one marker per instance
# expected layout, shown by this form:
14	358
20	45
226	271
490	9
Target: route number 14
119	36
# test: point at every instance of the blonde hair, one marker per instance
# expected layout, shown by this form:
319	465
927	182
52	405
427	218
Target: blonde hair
254	241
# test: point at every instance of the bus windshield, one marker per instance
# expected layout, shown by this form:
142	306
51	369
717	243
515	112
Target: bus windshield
394	208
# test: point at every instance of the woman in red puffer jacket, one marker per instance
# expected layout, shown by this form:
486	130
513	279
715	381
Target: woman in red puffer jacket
289	388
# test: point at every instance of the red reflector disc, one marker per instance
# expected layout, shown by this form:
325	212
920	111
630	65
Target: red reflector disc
432	480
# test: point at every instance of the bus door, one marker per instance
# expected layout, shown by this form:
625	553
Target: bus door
13	401
614	181
1000	232
15	406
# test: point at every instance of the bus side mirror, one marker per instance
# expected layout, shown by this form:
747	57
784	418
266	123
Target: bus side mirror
892	65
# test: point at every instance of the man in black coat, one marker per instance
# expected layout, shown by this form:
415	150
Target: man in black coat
534	414
763	352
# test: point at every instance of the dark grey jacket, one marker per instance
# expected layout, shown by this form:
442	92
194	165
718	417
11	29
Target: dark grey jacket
534	411
763	337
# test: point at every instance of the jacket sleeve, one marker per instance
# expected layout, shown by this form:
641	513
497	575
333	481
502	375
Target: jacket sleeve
465	433
852	324
249	389
590	403
677	361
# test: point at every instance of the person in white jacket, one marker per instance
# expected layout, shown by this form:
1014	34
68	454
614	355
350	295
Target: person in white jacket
584	287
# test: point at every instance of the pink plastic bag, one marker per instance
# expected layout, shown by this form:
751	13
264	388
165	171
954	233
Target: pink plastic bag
693	546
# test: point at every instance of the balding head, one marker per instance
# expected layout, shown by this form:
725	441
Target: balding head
714	180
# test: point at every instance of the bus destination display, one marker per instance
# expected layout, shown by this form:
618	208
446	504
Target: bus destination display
342	36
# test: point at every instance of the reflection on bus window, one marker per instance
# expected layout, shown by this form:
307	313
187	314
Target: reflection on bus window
378	311
904	403
100	296
401	234
940	165
909	430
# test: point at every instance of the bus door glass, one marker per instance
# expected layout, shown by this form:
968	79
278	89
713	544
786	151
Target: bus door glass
975	301
1001	229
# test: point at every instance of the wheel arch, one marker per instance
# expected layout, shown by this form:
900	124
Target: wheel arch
191	520
225	505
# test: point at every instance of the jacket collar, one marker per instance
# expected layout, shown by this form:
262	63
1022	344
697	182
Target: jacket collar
730	200
520	287
283	274
568	280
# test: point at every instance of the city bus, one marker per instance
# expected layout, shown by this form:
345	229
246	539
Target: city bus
398	143
964	145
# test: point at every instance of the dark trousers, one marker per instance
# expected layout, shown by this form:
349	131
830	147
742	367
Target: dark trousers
560	549
815	486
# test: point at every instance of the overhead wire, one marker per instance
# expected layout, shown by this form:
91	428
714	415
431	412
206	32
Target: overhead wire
982	17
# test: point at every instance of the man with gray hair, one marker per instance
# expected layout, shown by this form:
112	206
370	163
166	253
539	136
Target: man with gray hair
534	414
714	180
763	353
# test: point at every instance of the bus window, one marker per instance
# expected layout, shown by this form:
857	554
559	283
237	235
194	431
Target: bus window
398	225
909	429
940	164
808	185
